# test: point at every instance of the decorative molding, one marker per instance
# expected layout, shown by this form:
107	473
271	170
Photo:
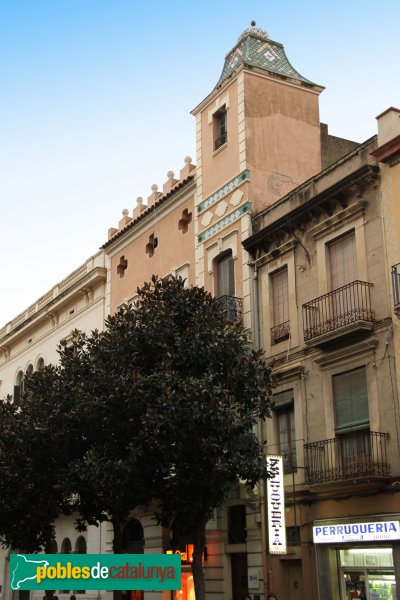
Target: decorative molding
231	218
221	101
363	348
338	219
290	374
224	190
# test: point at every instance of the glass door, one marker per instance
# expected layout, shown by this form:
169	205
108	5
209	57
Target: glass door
354	585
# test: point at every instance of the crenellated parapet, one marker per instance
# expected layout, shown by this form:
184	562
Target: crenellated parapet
170	186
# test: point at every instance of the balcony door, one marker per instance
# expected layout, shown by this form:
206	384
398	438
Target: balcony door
342	261
343	272
225	275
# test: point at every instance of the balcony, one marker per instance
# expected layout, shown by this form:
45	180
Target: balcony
220	141
280	332
353	456
344	311
396	288
232	308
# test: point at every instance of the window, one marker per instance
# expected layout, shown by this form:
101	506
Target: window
225	275
351	400
284	408
280	306
80	545
220	128
19	388
133	537
66	547
343	261
237	533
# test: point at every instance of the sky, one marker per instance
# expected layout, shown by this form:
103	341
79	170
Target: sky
96	97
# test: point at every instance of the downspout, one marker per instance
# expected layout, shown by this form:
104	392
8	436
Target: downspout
263	507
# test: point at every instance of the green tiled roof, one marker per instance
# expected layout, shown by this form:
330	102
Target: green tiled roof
254	48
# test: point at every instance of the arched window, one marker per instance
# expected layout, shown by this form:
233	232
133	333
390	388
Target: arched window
18	388
133	537
29	370
52	548
40	364
66	547
80	545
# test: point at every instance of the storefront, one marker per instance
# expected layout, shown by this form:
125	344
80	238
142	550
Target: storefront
186	591
358	558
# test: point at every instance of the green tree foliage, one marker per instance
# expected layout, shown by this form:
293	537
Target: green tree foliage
159	408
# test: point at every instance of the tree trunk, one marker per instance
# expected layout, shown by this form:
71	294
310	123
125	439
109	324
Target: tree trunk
197	563
117	548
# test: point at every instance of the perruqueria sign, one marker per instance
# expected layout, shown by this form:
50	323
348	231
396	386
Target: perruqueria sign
276	506
374	531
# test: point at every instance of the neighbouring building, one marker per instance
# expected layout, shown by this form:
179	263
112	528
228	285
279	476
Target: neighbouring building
292	229
321	257
27	344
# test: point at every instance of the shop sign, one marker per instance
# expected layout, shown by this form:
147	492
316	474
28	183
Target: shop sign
375	531
253	579
186	554
276	506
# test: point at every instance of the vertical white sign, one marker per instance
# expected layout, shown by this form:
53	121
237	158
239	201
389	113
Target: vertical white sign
276	506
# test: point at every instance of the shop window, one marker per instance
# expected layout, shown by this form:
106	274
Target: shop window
280	329
237	533
351	400
220	127
293	536
284	409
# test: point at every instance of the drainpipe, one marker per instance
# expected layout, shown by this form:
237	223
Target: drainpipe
263	507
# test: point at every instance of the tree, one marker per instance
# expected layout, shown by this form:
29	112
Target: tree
160	404
206	390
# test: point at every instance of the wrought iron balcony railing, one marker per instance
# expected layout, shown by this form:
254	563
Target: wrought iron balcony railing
280	332
396	288
232	308
348	456
343	306
221	140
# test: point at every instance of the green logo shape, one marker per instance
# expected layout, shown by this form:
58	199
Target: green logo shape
95	572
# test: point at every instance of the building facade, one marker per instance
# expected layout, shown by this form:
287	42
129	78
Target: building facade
327	321
296	232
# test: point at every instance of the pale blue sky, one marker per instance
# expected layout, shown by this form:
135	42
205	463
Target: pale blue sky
96	97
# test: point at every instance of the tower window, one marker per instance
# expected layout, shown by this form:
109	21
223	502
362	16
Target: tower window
220	128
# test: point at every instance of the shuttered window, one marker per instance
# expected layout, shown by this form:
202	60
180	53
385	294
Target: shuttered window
351	400
280	303
343	261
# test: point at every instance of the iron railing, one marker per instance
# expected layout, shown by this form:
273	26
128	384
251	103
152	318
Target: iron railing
348	456
341	307
221	140
232	308
396	286
280	332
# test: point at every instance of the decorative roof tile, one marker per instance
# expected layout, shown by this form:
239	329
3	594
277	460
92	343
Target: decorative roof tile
254	48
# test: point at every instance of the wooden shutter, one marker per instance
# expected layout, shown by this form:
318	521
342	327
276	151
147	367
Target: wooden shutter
343	261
